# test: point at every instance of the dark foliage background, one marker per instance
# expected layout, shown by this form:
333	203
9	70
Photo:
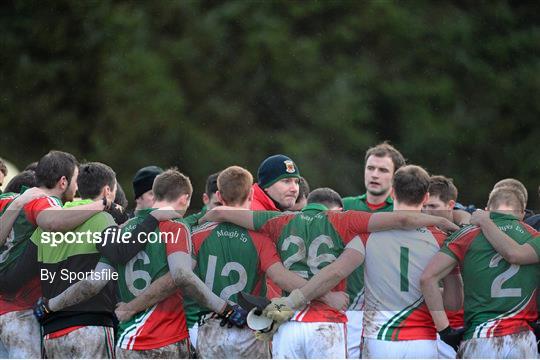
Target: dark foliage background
205	84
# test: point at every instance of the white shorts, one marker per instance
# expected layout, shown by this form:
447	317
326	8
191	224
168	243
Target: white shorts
193	334
20	334
445	350
177	350
222	342
310	340
88	342
354	333
515	346
406	349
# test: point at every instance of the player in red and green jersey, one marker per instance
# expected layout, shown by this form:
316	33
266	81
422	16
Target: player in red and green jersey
159	331
231	259
307	242
381	162
500	298
56	174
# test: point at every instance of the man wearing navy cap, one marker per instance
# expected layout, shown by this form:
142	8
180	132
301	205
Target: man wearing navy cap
277	184
142	186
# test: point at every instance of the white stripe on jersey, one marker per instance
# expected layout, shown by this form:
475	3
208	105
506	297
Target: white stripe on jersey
128	338
484	329
204	227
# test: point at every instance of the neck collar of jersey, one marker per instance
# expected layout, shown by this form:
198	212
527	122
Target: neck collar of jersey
502	216
314	207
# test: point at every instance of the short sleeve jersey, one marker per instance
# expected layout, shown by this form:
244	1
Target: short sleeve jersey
355	281
500	298
164	323
394	305
310	240
15	246
230	259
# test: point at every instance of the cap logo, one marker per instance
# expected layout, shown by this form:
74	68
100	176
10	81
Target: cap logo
289	166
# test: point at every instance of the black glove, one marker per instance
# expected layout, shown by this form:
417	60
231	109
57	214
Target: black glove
452	336
41	310
233	315
118	213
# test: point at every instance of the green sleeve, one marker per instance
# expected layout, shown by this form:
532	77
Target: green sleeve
535	243
261	217
348	203
36	236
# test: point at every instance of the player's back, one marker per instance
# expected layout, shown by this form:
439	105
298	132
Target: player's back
500	298
163	323
394	305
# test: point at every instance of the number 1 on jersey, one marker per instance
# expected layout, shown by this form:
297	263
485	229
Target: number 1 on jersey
404	268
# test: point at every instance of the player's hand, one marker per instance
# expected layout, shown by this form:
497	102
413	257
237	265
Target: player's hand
268	334
42	310
479	217
447	226
123	312
452	336
339	300
233	316
165	213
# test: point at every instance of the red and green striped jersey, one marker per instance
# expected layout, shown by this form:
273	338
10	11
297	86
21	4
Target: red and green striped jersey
394	305
230	259
500	298
165	322
16	244
355	281
310	240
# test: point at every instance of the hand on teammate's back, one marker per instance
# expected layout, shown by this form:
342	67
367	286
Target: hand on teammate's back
479	216
452	336
31	194
339	300
123	312
448	226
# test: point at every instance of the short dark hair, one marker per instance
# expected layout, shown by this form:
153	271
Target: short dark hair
385	149
53	166
170	185
325	196
410	183
93	176
303	189
234	184
513	183
506	195
121	198
26	178
211	184
3	167
442	187
32	166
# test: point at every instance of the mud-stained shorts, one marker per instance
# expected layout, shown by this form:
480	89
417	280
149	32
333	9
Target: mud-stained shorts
354	333
308	340
20	334
405	349
88	342
521	345
177	350
214	341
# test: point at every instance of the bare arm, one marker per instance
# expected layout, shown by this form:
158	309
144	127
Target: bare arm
285	279
332	274
461	217
158	291
80	291
510	250
438	268
453	292
185	279
67	219
240	217
407	220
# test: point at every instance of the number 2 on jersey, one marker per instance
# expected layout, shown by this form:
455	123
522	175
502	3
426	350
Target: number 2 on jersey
229	290
496	287
313	259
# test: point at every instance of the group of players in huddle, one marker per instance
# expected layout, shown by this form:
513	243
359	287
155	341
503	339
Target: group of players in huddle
398	272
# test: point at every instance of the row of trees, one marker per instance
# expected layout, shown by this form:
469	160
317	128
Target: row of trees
205	84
